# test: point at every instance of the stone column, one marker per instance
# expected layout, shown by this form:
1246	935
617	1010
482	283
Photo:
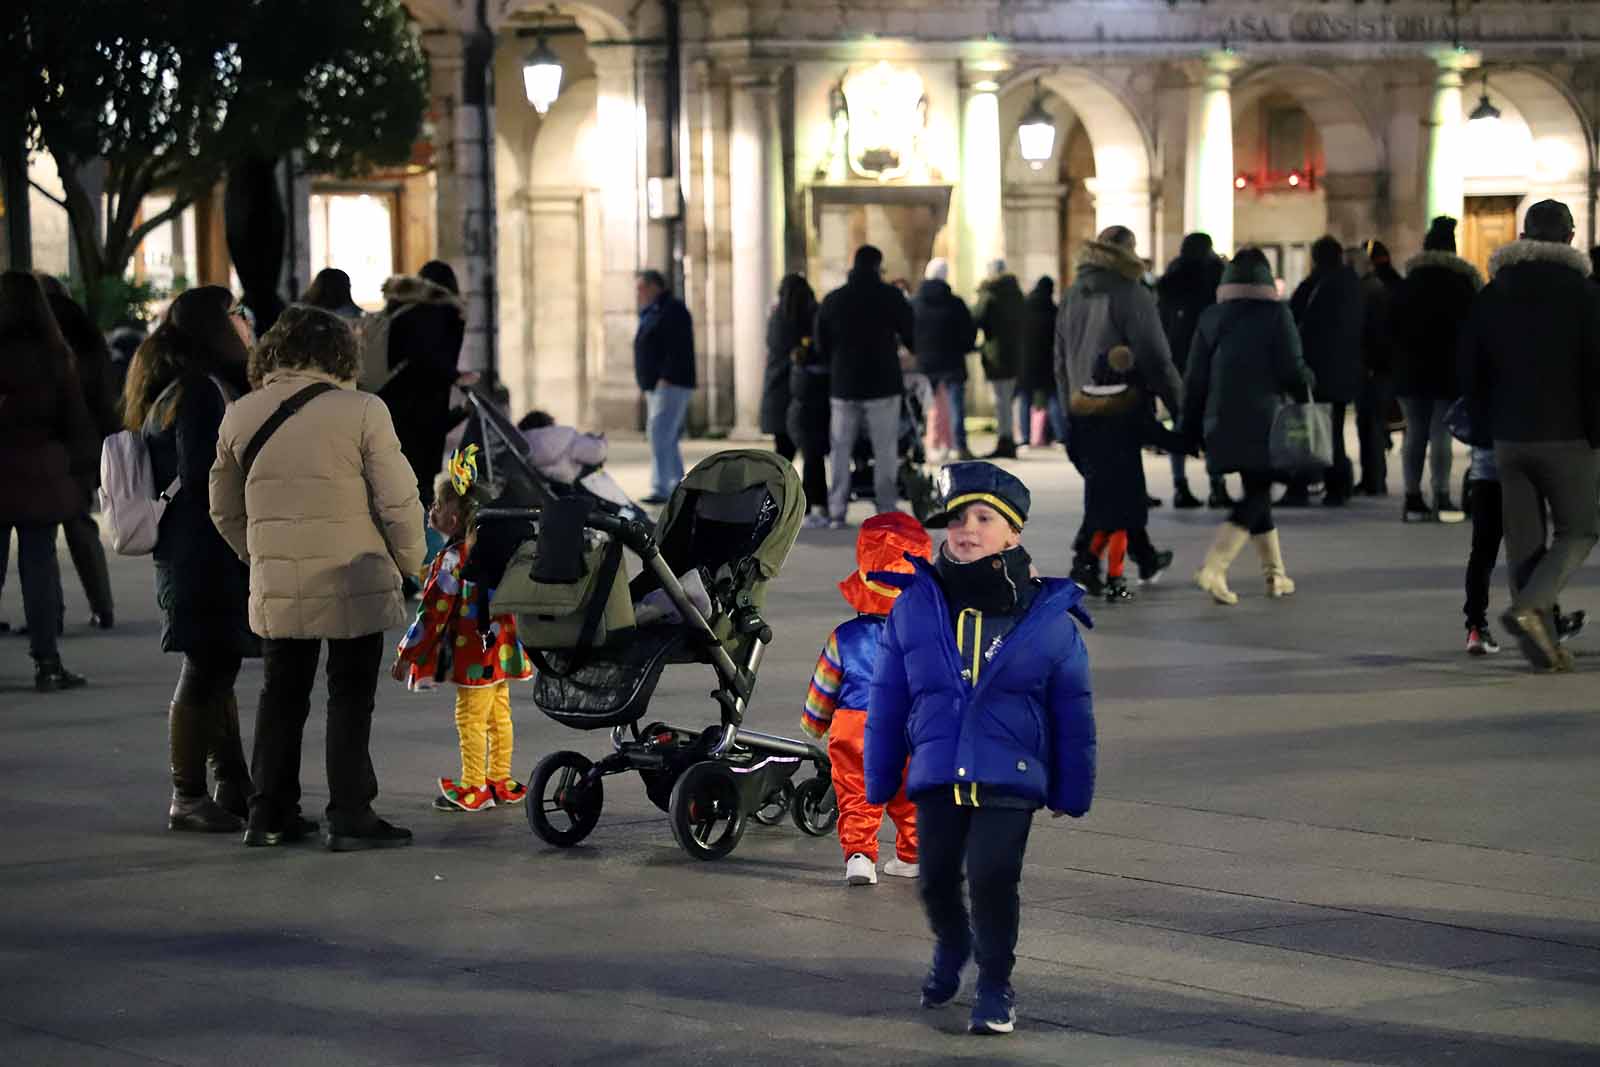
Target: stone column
1355	205
1443	193
1124	202
751	177
1033	231
465	200
1209	202
614	399
981	235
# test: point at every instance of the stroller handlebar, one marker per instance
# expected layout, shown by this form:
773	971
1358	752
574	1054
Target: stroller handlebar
638	537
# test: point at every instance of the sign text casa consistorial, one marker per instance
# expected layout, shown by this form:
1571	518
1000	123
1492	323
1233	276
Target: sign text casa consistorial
1397	27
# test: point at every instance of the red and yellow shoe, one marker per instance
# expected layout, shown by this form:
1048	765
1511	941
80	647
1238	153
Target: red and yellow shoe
453	796
508	791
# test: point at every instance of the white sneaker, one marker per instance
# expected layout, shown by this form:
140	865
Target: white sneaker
814	521
860	871
899	868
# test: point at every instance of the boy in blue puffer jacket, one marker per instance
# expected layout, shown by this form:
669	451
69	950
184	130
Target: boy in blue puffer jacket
983	680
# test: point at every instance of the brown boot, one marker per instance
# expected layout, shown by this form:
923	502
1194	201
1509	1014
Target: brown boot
229	770
188	732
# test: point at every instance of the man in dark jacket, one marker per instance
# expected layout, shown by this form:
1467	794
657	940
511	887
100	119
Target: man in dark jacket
1327	308
1108	305
945	333
1380	282
1000	315
1187	288
663	365
860	328
1530	360
1036	381
427	325
1429	309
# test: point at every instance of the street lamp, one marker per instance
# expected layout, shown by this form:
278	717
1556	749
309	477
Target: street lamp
1485	111
541	76
1037	132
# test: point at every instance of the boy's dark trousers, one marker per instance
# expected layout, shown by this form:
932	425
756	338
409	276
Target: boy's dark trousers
1488	527
991	842
290	666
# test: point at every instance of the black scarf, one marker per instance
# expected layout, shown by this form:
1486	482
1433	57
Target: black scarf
995	585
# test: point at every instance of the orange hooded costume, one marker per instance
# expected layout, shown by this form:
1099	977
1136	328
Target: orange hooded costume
836	704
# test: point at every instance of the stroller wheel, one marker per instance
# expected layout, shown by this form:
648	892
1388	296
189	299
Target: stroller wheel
776	806
707	820
815	807
561	808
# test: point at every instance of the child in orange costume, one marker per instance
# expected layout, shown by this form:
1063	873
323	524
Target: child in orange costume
836	705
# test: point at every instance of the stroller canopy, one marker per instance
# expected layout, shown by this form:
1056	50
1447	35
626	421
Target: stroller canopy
731	489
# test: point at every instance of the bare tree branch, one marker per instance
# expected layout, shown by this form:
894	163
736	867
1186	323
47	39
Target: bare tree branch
180	203
48	195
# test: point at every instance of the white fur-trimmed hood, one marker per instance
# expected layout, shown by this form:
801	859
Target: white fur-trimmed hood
1245	291
412	289
1526	251
1447	260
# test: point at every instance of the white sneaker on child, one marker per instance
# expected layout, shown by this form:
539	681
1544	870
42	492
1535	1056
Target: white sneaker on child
899	868
860	870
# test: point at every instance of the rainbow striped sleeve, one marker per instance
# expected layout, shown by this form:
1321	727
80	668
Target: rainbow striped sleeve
823	696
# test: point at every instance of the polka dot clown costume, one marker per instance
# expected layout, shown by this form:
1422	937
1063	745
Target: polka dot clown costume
452	640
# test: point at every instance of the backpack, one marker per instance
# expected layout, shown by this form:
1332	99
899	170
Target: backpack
127	488
374	336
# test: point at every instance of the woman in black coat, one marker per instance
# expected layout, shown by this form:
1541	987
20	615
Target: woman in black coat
180	383
1328	307
1244	359
806	407
47	453
427	326
93	358
1037	384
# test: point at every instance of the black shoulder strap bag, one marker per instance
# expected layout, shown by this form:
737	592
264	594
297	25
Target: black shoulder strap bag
278	418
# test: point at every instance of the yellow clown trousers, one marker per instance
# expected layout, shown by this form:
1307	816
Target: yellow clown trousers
483	723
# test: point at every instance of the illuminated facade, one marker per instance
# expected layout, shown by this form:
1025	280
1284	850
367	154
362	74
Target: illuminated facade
780	134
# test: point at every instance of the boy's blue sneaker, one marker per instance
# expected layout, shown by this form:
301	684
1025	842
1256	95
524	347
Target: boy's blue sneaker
944	976
994	1012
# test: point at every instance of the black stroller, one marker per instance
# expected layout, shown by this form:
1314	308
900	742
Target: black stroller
727	530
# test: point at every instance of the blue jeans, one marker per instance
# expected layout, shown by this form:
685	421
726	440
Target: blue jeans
956	390
666	407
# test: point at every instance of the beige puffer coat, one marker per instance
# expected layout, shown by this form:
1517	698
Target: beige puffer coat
329	517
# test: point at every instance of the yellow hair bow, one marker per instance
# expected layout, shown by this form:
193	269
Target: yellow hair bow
464	469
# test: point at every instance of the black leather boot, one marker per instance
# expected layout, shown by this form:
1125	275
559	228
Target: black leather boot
49	676
201	815
226	759
188	736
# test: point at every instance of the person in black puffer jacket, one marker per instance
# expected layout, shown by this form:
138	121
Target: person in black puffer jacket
1379	284
1001	313
1530	362
805	416
1327	308
1429	310
429	326
47	453
860	328
945	333
1187	288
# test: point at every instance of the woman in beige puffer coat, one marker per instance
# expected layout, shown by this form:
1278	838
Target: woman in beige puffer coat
328	518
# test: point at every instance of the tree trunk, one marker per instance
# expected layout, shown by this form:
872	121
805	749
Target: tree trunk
19	230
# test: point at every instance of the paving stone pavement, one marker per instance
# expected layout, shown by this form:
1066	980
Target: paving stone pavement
1322	835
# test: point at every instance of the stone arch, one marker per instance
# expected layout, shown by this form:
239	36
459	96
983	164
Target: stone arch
563	152
597	22
1348	140
1123	152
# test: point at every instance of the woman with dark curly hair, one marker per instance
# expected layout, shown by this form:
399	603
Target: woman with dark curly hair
326	512
180	381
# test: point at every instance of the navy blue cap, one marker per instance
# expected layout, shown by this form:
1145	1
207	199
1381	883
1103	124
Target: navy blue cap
960	484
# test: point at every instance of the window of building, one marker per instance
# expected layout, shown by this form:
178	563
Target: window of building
1288	140
355	232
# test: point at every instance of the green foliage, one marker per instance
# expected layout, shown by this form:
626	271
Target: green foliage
168	92
114	298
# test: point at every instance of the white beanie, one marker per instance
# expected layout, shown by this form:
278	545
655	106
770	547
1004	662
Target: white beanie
938	270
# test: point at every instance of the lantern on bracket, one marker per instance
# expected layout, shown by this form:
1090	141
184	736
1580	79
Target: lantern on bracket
541	76
1037	132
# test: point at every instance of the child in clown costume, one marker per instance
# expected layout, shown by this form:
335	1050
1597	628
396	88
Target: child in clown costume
450	640
837	701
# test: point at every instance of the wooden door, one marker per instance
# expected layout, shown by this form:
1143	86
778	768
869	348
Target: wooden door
1491	221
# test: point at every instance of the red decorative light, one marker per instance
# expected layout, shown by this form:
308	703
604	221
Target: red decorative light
1240	182
1268	181
1294	179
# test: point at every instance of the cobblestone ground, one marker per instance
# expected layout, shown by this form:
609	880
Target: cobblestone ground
1322	834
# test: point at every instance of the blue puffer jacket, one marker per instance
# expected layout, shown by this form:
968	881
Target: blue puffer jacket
1026	728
